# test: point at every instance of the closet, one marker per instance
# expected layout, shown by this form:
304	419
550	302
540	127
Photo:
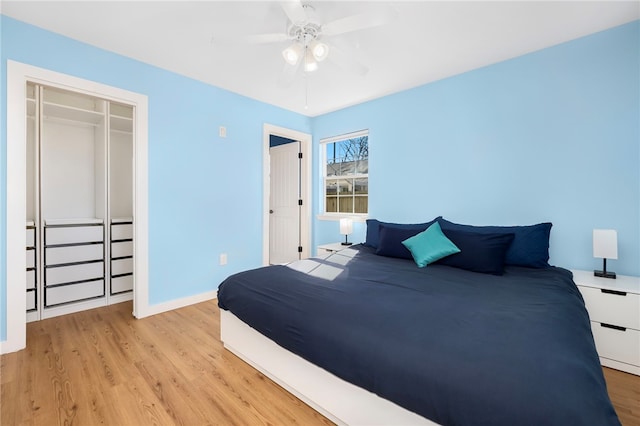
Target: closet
79	220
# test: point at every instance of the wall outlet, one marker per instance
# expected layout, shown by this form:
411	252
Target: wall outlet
222	132
223	259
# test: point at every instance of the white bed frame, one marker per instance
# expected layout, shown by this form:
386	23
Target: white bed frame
336	399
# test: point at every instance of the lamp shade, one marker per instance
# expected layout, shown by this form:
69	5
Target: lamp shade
292	54
346	226
310	63
605	243
319	50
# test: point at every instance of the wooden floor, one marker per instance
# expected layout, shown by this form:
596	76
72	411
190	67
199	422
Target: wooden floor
104	367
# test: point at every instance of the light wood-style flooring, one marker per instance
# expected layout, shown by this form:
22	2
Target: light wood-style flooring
103	367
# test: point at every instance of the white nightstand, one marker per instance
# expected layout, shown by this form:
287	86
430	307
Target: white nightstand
614	309
325	249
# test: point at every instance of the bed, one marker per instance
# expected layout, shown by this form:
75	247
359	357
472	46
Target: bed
372	338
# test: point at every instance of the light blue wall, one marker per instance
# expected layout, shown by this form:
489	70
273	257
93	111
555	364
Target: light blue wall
205	193
549	136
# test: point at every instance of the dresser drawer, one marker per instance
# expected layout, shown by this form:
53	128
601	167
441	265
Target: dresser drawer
623	346
31	300
31	258
121	231
621	310
60	255
122	249
121	284
72	273
73	235
74	292
31	279
121	266
31	237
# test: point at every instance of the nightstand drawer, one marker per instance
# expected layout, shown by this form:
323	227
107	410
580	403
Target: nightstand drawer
611	308
623	346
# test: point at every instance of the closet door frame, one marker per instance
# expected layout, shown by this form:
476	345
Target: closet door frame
18	74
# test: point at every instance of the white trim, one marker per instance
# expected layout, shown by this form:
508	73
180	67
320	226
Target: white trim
340	401
180	303
75	307
356	217
17	76
141	209
622	366
16	303
351	135
305	147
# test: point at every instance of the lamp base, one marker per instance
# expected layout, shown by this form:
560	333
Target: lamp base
346	243
605	274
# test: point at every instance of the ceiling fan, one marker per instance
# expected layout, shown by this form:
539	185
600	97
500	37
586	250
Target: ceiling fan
308	39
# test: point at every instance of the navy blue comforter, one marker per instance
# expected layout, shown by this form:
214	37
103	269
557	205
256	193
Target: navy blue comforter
457	347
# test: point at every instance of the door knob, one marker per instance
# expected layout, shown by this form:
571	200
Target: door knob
270	211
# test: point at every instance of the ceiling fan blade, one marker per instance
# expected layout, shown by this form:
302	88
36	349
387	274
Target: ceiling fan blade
266	38
294	11
346	62
288	75
355	22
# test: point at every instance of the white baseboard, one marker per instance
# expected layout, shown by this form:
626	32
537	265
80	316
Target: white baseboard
627	368
176	304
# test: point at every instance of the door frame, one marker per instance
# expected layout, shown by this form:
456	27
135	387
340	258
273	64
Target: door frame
305	181
17	76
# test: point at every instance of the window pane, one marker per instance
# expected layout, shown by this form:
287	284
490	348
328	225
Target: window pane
331	204
344	159
361	186
333	169
332	187
346	204
347	157
362	167
345	186
361	204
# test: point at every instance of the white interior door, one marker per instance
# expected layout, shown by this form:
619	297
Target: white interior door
284	208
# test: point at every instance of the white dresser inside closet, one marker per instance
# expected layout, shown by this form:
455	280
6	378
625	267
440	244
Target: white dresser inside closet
79	201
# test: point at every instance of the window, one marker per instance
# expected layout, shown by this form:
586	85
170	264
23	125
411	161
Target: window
346	173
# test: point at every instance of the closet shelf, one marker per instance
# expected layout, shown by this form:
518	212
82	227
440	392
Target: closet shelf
73	221
122	124
31	107
72	113
121	219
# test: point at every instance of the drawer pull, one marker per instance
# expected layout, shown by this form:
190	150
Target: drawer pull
615	327
616	292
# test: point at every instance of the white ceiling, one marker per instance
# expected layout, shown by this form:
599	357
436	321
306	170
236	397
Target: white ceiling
423	42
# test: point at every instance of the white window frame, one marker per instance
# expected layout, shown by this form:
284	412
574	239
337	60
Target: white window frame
324	215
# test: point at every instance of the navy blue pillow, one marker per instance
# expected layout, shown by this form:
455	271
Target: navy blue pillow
530	246
392	236
479	252
373	229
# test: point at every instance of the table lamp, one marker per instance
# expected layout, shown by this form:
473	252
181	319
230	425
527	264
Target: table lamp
346	228
605	246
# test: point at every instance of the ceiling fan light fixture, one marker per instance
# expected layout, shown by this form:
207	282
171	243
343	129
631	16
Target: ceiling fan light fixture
310	63
292	54
319	50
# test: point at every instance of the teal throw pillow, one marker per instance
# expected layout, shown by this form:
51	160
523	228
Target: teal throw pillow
430	245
